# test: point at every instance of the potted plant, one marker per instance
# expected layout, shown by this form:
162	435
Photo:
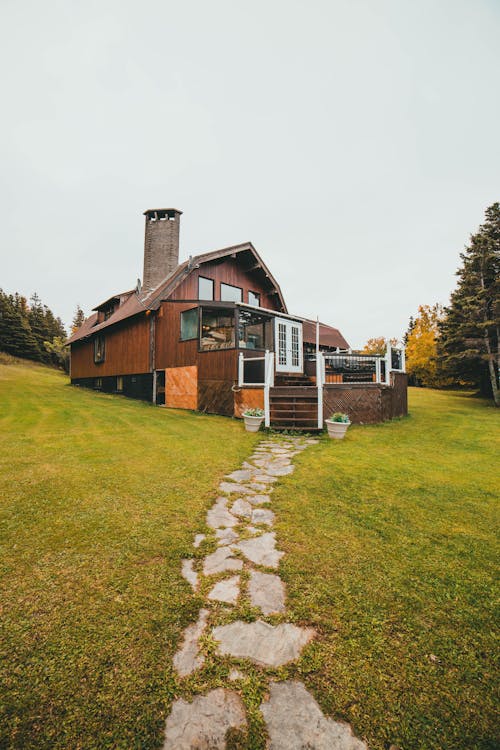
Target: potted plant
337	425
253	419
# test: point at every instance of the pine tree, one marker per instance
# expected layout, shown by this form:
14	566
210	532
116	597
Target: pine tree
16	337
469	346
78	319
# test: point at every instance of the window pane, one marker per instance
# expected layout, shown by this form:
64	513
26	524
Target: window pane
205	288
229	293
217	329
99	349
254	299
252	330
189	324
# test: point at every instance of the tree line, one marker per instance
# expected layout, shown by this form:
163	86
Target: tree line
460	344
29	329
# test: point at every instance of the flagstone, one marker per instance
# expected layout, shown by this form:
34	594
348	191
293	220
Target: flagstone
259	499
220	561
225	536
263	515
267	591
264	644
226	590
261	550
198	540
188	659
204	723
230	487
188	572
219	515
241	508
242	475
294	721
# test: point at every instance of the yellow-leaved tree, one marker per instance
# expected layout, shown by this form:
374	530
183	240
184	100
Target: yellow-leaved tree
377	345
421	346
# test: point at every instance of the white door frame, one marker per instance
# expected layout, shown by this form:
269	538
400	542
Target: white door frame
288	345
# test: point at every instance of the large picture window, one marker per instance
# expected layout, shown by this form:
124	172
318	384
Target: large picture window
229	293
254	331
189	324
217	329
99	349
205	288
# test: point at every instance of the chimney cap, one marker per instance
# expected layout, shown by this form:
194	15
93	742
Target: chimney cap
154	210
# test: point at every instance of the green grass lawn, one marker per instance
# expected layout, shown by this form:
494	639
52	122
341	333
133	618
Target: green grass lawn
390	542
392	553
100	498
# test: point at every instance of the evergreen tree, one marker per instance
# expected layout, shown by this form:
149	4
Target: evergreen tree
469	345
16	337
78	319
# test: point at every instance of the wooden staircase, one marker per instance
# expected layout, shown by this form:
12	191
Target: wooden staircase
294	404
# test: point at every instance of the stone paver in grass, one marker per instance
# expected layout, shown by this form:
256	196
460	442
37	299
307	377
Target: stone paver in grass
204	723
226	536
226	591
188	658
220	561
241	508
294	721
261	550
267	591
220	516
263	515
189	573
264	644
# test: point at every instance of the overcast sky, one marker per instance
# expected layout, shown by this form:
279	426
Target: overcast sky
354	142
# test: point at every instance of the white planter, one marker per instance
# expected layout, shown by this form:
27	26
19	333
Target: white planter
252	424
336	430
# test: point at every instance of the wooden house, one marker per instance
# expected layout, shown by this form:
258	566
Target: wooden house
201	334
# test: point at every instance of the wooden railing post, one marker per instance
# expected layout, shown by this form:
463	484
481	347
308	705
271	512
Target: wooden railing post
378	370
388	363
241	371
403	359
268	377
320	378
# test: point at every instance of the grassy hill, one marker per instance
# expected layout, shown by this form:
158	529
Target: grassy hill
390	541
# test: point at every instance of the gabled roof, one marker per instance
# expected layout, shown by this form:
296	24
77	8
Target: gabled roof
139	302
328	336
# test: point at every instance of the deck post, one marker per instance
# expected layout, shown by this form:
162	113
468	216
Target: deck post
403	358
267	384
378	373
388	363
240	370
320	370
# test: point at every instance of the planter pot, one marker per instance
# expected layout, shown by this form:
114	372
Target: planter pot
336	430
252	424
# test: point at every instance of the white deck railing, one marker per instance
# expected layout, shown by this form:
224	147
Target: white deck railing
267	382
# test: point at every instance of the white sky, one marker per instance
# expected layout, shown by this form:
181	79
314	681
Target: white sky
354	142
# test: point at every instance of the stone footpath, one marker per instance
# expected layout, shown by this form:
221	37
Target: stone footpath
245	563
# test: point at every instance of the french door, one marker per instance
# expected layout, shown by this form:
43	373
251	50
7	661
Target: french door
288	345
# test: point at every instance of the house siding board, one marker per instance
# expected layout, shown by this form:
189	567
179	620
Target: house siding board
127	351
231	272
170	350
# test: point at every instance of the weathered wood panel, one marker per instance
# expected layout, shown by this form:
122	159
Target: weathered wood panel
127	351
229	271
367	404
216	397
248	398
181	387
170	350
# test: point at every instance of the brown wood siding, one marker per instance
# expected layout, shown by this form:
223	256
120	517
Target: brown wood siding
170	350
229	272
181	387
127	351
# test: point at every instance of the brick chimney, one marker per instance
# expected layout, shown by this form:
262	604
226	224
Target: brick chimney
161	245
